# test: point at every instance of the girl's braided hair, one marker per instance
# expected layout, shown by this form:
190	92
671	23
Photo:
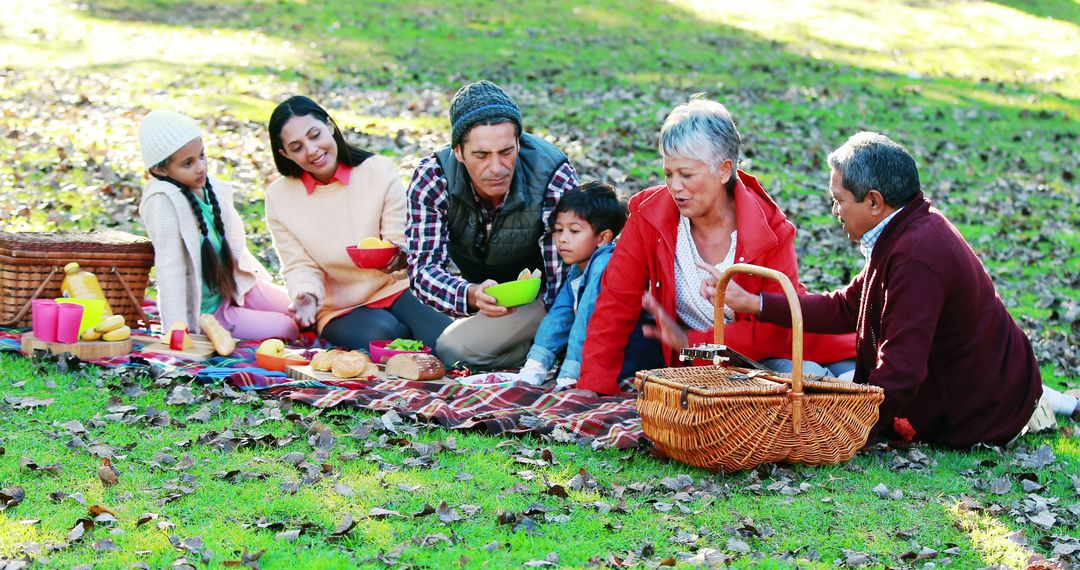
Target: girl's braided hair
217	270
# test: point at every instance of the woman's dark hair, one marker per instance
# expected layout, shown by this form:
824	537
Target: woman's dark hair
596	203
217	270
300	106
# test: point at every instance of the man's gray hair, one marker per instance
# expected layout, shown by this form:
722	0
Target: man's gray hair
702	130
872	161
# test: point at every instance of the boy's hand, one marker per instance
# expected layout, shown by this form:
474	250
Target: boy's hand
484	303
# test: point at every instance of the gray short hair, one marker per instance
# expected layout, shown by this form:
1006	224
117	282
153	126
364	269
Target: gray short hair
872	161
702	130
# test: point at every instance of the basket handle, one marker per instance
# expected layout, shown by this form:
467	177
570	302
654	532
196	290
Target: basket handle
131	296
796	324
29	302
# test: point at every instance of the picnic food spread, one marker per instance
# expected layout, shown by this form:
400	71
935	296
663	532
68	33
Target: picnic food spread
109	329
373	243
528	274
349	364
406	344
223	341
415	366
272	346
177	337
81	284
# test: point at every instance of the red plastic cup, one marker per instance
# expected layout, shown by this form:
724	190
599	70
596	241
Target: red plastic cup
68	319
43	319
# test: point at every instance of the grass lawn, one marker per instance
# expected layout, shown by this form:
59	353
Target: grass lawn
985	95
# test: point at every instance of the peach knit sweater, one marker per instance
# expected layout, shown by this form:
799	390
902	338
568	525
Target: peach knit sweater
312	231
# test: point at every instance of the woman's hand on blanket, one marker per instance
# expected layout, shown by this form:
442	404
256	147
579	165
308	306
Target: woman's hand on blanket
739	299
486	304
304	308
666	329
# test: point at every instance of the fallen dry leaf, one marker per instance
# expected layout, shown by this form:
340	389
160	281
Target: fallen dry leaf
107	473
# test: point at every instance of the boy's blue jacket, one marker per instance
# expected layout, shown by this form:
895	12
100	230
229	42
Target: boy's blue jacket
562	327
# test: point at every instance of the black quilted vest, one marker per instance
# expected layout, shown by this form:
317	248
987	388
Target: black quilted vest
514	241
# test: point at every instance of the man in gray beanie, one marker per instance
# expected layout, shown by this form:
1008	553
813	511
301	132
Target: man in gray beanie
478	216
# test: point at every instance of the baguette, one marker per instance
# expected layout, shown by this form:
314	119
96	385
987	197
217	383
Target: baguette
223	342
415	366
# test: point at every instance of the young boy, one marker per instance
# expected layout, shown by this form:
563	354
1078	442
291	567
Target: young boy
585	223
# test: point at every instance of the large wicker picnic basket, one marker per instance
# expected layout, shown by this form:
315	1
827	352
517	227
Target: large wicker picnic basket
32	267
728	418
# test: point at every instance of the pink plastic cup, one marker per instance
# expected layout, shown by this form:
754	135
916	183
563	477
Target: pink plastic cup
68	319
43	319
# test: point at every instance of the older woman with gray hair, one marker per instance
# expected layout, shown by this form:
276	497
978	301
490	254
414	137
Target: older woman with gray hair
708	216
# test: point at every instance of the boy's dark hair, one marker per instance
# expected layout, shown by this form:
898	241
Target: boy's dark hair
300	106
596	203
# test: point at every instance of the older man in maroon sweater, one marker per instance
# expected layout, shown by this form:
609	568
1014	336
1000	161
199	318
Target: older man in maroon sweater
930	329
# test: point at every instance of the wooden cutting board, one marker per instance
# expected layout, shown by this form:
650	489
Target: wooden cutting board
201	347
84	350
306	372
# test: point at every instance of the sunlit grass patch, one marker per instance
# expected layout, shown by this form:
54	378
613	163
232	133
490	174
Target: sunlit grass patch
991	537
972	40
50	34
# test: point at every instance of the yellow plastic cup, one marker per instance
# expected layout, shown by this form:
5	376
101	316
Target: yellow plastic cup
93	310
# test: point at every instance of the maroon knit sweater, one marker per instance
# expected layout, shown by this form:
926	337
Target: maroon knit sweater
930	330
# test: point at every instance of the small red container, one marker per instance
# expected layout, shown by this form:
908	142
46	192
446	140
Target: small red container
277	363
371	258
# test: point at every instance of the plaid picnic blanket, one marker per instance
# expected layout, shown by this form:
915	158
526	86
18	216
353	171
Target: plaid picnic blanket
610	421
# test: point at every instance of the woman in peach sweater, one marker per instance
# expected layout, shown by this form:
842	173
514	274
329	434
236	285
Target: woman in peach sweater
330	196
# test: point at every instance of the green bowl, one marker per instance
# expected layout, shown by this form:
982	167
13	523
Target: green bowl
515	293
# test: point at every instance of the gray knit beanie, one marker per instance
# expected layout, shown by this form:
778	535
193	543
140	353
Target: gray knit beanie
161	133
478	102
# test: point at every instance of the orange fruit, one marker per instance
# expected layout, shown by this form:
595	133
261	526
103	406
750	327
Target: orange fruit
370	243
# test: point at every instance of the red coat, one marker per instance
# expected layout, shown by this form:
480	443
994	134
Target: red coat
644	259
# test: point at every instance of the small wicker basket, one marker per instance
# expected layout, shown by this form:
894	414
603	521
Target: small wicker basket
729	418
32	267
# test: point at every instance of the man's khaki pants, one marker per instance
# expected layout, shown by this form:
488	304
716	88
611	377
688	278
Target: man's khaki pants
487	342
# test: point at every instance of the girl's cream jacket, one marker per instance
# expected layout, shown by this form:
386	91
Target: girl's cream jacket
172	227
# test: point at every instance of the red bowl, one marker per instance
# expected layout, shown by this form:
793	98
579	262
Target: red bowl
371	258
379	353
277	363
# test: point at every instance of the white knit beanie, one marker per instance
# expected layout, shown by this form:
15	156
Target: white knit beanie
162	133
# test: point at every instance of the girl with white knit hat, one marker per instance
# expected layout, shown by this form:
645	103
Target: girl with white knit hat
200	248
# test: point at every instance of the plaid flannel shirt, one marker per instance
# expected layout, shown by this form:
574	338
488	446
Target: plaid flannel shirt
427	235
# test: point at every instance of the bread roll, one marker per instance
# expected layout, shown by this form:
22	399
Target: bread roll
324	360
224	343
350	364
415	366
